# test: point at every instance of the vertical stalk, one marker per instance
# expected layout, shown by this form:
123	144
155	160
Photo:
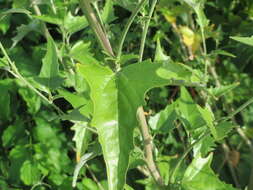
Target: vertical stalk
147	139
126	29
96	27
145	30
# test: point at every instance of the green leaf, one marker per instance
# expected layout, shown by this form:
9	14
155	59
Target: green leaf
74	24
17	157
29	173
32	100
220	91
81	52
52	19
5	24
77	100
5	109
81	138
208	116
199	175
198	6
223	129
126	58
127	4
75	115
88	184
116	95
23	30
12	134
204	146
49	73
159	55
244	40
190	114
108	12
163	121
84	159
222	52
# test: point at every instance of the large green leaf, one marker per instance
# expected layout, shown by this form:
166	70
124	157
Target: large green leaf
116	97
199	175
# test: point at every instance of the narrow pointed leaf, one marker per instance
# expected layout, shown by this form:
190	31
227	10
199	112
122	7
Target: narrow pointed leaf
49	73
244	40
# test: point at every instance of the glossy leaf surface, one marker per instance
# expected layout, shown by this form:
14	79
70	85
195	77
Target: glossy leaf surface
116	97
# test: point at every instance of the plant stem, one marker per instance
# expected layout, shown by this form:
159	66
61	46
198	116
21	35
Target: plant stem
126	29
145	30
147	139
96	26
141	116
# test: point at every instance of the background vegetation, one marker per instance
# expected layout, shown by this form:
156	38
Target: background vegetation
204	130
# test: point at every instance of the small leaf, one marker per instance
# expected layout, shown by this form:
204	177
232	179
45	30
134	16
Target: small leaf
108	12
159	55
205	146
5	24
223	129
74	24
244	40
81	52
5	99
163	121
77	100
53	19
49	73
18	155
81	138
23	30
220	91
79	166
208	116
88	184
32	100
192	118
12	134
199	175
75	115
222	52
29	173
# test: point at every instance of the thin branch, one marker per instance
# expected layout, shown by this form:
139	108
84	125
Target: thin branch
96	26
126	29
147	139
145	30
148	147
